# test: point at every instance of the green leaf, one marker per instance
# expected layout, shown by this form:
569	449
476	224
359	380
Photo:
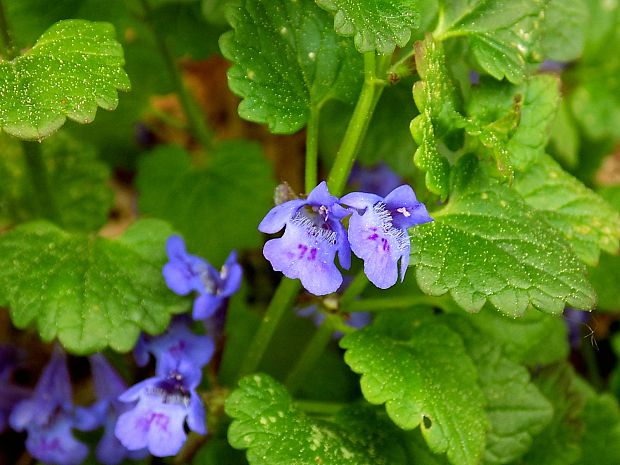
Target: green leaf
266	422
74	67
500	106
287	59
89	292
515	407
496	32
425	379
562	29
605	277
600	443
565	140
427	157
78	184
534	339
558	443
436	99
487	244
218	207
377	25
585	220
595	80
419	453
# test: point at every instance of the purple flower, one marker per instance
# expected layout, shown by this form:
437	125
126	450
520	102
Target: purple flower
378	231
378	179
48	417
108	387
178	343
185	273
312	237
164	404
10	394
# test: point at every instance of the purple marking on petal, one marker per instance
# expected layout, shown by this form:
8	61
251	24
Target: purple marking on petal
292	255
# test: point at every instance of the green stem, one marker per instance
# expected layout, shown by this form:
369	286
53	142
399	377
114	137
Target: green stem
356	130
40	180
281	301
310	356
390	303
356	287
8	49
312	149
318	407
288	289
195	118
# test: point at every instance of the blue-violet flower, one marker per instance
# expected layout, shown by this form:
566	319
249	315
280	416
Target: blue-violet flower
177	343
312	237
48	417
164	403
378	231
108	386
185	273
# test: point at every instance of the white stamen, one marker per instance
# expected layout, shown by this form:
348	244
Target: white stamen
404	211
320	233
385	217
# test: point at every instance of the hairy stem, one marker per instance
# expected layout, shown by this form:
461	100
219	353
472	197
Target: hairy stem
194	115
358	125
40	181
309	357
312	149
288	289
281	301
8	49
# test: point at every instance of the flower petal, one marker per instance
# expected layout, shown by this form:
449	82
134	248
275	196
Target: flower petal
298	254
175	248
279	215
205	306
320	196
361	200
379	249
196	419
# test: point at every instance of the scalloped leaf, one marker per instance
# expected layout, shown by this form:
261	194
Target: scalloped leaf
437	100
89	292
516	409
559	442
487	244
425	379
587	222
287	59
74	67
496	32
274	431
374	24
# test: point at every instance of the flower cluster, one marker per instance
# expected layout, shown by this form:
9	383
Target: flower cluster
163	404
314	234
48	417
185	273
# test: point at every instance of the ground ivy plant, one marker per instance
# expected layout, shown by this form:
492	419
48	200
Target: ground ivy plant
309	232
